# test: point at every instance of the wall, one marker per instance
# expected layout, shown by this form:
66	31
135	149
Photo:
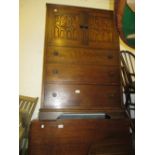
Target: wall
31	46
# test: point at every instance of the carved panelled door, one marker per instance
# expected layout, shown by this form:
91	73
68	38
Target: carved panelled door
80	27
101	30
63	26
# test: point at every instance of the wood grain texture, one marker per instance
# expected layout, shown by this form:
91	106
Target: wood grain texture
82	74
81	27
77	137
82	56
81	48
81	96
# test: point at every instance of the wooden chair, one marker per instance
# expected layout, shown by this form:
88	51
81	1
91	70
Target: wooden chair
26	108
128	82
128	79
128	86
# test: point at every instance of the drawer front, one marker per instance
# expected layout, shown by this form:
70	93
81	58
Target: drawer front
78	131
82	74
81	96
77	137
82	56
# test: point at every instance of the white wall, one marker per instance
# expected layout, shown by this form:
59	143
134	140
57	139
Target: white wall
31	46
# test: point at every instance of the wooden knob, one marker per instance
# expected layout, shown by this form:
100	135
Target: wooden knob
110	56
54	94
55	71
84	26
111	74
111	96
55	53
81	26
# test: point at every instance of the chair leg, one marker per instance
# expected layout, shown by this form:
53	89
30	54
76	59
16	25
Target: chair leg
25	147
128	102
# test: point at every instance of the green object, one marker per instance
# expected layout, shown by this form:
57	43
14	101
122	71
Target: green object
128	25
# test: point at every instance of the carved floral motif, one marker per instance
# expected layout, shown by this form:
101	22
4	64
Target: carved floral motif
100	29
66	27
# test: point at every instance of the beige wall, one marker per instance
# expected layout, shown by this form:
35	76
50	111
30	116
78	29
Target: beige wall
123	46
31	46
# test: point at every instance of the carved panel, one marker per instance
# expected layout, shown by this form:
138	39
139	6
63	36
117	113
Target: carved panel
66	27
80	27
100	29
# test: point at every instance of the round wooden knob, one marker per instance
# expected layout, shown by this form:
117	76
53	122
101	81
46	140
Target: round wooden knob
54	94
55	71
111	96
111	74
110	56
55	53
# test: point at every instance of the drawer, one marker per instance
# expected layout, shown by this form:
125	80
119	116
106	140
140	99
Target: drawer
63	96
82	74
77	137
82	56
79	131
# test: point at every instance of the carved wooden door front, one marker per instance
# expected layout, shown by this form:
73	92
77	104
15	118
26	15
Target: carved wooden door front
101	30
64	26
81	53
80	27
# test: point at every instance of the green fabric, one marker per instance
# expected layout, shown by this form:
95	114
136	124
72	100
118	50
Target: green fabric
128	24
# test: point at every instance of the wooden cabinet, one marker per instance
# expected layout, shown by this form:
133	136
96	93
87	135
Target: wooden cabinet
81	53
81	74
